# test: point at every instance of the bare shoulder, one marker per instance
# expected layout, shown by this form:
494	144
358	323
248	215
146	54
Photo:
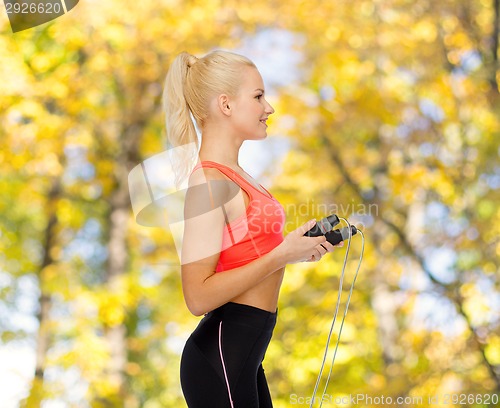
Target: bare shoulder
203	174
210	188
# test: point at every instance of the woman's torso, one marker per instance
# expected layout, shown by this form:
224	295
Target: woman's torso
265	294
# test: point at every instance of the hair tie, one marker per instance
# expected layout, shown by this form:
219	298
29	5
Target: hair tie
191	60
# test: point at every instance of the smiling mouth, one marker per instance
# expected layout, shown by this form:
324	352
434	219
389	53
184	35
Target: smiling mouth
263	121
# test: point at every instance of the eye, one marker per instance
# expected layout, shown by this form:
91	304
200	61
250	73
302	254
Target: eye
259	96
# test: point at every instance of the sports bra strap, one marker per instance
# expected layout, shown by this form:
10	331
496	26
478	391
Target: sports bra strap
234	176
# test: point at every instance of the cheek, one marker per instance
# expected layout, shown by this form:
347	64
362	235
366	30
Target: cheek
259	108
252	112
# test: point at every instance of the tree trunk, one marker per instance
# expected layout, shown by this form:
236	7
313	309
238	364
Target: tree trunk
117	264
43	336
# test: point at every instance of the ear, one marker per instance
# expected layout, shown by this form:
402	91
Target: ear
224	105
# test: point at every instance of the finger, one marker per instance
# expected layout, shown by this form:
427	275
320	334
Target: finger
316	241
320	240
315	257
328	246
306	227
321	249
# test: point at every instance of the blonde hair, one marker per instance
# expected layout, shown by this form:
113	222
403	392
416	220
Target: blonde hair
189	86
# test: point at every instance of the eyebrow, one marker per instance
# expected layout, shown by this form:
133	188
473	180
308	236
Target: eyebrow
258	89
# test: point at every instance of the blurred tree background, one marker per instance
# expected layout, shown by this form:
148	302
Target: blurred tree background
394	119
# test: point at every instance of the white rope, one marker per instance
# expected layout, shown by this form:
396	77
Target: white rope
343	317
336	313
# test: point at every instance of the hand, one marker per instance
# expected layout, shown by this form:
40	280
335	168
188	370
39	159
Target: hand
322	249
298	248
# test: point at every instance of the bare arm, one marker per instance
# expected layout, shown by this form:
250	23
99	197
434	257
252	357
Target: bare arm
205	290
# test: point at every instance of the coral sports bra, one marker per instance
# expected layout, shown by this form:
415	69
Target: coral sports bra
252	234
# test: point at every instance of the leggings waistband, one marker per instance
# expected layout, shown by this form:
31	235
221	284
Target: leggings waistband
246	314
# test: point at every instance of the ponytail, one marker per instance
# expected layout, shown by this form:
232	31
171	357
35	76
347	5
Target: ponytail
181	133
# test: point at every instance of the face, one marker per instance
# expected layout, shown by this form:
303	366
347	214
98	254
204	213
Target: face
250	109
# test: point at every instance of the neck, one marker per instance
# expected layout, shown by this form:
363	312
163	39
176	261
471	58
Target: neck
220	147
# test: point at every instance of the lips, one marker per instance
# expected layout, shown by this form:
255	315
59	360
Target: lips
263	121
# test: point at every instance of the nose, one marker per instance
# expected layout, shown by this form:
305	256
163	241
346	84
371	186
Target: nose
269	108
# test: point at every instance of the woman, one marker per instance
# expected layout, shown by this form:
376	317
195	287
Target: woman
234	253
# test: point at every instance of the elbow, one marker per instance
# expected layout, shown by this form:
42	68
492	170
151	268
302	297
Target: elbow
196	312
195	308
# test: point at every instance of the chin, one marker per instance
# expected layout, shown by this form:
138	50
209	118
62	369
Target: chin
257	137
264	134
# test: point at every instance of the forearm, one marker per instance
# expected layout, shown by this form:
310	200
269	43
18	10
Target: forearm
220	288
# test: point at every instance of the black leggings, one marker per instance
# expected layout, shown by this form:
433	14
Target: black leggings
222	359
